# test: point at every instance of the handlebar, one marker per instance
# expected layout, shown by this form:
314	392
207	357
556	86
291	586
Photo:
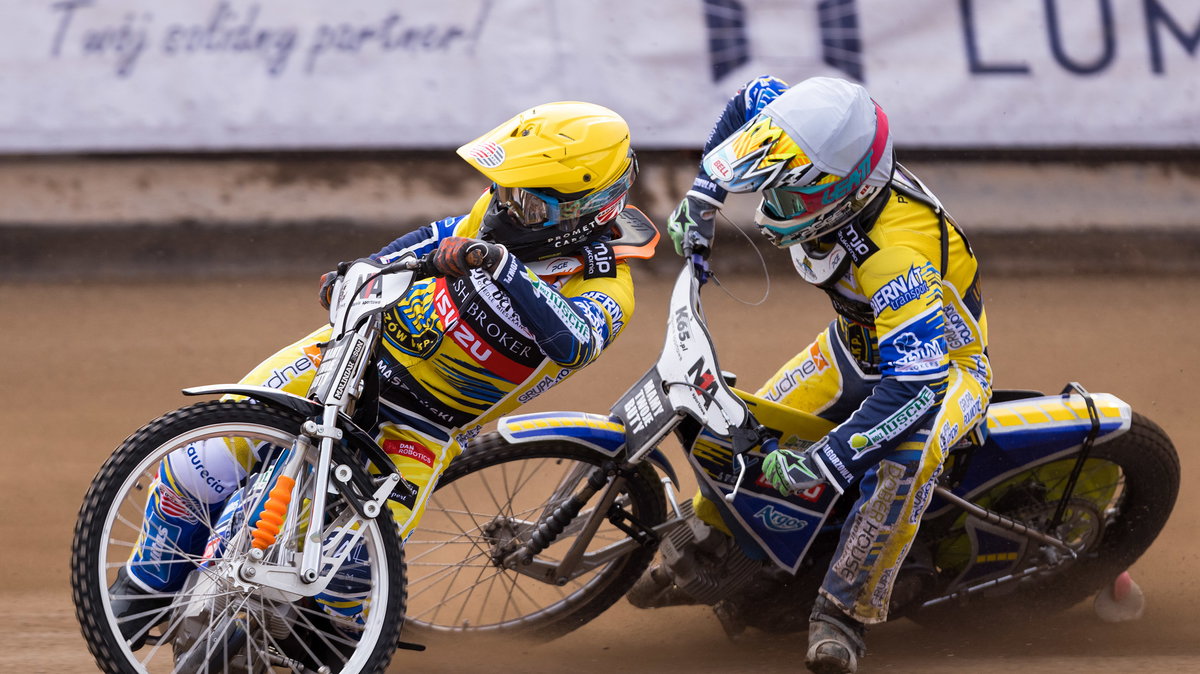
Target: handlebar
417	264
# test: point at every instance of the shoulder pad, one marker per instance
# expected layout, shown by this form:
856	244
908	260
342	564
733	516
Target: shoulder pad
907	183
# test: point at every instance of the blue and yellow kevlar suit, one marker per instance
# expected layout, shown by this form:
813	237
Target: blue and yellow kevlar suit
458	352
903	369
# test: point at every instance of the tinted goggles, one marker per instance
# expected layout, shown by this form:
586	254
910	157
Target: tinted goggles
534	208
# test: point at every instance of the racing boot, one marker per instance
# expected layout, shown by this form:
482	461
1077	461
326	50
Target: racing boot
835	640
137	609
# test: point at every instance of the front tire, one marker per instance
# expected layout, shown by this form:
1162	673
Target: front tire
491	496
226	625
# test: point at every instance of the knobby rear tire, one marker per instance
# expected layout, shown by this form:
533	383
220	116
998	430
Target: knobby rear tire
1149	465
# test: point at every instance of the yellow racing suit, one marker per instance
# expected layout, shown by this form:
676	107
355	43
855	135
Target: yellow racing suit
904	372
457	353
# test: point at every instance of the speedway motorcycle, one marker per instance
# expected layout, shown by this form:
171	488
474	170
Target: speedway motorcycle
308	519
545	523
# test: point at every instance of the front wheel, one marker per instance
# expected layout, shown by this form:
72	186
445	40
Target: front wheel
164	528
489	502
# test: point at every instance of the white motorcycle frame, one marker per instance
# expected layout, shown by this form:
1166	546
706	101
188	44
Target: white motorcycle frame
362	292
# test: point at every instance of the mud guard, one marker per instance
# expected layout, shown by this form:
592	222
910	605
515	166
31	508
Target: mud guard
355	436
1025	432
604	434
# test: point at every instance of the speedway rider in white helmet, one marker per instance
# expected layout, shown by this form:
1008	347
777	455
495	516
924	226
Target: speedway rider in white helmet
902	370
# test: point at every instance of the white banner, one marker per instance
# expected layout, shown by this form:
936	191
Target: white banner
185	75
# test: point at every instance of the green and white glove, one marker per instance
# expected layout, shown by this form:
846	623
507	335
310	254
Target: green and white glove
790	471
693	216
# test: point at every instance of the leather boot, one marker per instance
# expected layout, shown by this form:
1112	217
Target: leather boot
136	609
835	640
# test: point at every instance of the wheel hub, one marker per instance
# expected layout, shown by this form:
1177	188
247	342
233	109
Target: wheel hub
502	537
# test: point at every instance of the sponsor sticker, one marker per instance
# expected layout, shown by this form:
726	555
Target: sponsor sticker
774	520
197	462
173	505
814	364
542	386
562	308
643	407
410	449
915	355
958	333
900	291
719	168
897	423
599	261
464	437
870	523
970	405
615	315
489	154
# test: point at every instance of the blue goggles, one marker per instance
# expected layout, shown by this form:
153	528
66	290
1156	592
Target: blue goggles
535	209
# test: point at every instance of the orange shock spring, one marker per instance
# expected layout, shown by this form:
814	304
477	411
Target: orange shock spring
274	510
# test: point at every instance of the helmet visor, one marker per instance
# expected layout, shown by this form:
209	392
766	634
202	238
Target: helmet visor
535	208
786	203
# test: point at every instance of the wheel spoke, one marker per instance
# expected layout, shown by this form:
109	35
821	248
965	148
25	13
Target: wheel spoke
202	624
486	506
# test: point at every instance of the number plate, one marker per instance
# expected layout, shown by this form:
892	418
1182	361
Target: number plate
646	411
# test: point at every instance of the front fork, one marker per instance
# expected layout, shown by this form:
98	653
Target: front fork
337	385
267	565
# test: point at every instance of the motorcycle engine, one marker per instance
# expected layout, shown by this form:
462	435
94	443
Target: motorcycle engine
699	565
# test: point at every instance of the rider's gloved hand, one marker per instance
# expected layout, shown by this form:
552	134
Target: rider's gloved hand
325	294
457	256
693	218
790	471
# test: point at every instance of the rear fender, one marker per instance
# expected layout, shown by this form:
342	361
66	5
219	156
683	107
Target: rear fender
604	434
1033	427
1028	432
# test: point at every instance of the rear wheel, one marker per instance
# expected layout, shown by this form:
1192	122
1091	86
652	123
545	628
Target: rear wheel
214	619
1124	495
486	504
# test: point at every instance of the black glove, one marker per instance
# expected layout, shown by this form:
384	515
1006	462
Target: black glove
325	294
457	256
693	220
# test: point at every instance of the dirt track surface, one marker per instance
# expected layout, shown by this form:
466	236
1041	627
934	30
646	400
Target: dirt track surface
87	363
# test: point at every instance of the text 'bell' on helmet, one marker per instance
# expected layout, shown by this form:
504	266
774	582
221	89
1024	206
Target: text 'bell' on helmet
561	173
819	153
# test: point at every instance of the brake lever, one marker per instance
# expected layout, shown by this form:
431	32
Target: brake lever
741	476
418	265
694	249
743	441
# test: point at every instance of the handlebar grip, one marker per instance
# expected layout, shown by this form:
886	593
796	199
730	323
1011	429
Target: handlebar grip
484	255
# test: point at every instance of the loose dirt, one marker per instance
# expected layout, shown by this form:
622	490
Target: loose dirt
89	362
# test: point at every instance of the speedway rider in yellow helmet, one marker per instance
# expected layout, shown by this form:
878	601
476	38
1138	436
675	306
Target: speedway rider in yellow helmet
529	287
902	370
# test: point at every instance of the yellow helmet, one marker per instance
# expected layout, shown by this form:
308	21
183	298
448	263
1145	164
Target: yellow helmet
561	174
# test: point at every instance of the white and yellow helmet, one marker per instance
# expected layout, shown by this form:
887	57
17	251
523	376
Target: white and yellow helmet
818	153
560	172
